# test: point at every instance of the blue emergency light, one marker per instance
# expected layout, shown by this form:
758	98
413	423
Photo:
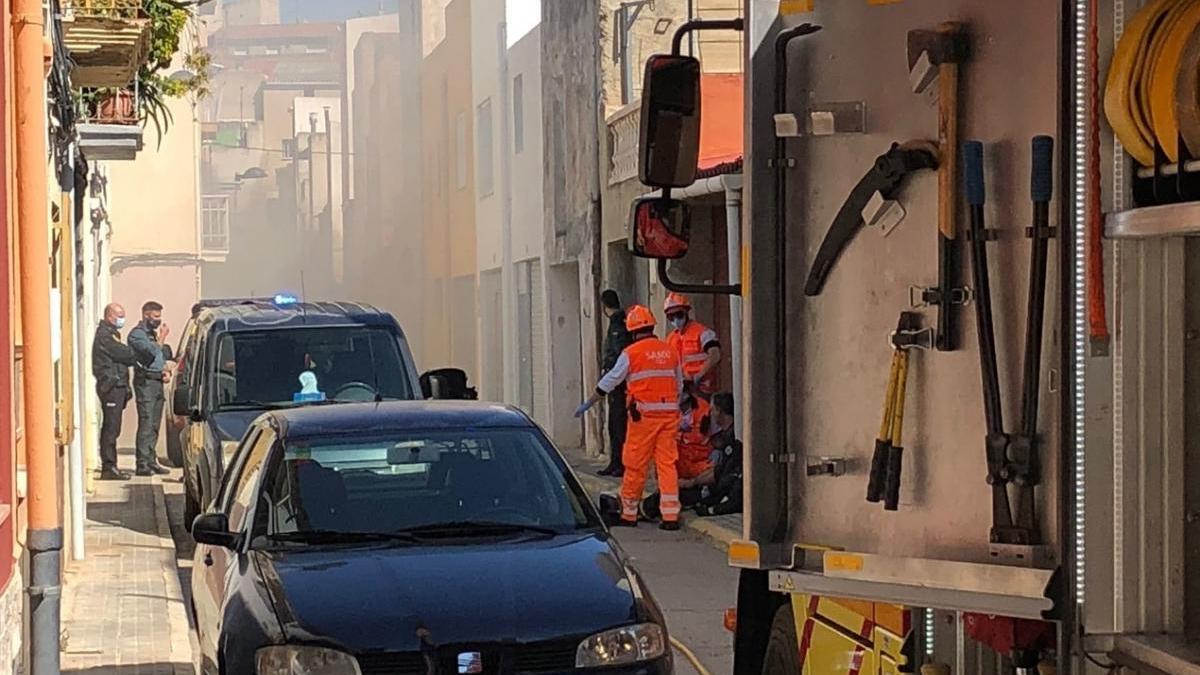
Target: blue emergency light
285	299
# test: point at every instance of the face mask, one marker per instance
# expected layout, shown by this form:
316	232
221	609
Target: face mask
119	322
153	323
678	323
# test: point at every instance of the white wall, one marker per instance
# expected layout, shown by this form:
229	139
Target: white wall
485	75
528	216
355	29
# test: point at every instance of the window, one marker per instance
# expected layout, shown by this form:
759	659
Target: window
396	482
484	169
214	237
518	102
245	486
257	368
460	151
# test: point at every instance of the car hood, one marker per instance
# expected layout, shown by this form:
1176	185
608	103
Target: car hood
377	599
231	425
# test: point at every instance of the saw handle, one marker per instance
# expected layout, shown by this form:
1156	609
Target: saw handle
973	172
1041	186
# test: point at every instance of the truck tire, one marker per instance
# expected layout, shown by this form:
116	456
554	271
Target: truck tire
191	509
783	647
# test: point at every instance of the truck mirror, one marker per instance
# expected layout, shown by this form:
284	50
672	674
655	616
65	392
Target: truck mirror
669	144
660	228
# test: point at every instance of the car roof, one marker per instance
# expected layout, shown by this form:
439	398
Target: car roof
258	315
392	416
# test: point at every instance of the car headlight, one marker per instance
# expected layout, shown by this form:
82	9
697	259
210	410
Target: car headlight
628	644
295	660
227	450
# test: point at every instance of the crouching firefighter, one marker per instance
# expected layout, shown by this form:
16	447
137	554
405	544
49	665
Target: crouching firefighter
650	369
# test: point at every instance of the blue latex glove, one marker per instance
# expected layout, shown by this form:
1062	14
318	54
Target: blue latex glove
583	407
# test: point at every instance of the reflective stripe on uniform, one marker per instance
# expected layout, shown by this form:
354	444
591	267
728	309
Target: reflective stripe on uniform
629	509
658	407
647	374
695	358
670	507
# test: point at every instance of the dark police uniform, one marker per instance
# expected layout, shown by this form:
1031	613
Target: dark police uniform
111	360
615	341
148	387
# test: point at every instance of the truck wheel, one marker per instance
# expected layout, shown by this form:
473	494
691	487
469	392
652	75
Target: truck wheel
191	509
783	648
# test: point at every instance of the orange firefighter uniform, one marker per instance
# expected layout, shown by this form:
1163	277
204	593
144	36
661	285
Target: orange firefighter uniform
650	368
692	341
694	449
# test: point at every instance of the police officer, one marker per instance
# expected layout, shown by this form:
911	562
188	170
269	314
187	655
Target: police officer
111	360
150	372
615	341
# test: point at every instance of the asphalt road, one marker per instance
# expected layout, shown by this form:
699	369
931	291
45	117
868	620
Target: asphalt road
686	574
693	585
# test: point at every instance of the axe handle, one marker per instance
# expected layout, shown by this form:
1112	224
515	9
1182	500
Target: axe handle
948	143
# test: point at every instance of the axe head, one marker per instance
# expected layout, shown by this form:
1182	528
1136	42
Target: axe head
930	48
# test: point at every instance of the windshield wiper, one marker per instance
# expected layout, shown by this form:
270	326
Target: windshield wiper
340	537
476	527
254	405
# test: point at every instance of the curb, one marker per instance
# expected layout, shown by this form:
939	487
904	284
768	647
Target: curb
718	536
181	646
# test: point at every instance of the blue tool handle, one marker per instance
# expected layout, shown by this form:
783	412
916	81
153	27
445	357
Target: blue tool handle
972	152
1042	179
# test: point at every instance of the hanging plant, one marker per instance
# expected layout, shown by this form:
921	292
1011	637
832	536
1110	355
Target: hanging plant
168	20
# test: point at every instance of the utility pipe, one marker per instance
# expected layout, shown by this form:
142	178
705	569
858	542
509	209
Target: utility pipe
72	374
733	250
508	288
45	534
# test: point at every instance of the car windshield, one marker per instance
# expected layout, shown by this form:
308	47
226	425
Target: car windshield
444	483
297	365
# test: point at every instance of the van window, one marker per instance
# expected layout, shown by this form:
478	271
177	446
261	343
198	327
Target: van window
341	363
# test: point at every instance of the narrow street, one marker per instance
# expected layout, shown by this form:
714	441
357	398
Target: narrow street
694	586
687	574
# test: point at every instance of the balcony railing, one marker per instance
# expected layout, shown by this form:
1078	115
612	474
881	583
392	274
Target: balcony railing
109	40
214	237
624	128
109	106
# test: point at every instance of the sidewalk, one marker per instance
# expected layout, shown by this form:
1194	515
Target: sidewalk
719	530
123	609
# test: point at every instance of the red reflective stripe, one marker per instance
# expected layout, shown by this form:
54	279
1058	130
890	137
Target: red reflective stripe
856	661
805	640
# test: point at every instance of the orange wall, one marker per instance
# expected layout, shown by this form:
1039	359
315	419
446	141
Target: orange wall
449	205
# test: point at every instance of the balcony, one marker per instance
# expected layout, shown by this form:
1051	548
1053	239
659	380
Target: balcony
624	130
109	125
109	40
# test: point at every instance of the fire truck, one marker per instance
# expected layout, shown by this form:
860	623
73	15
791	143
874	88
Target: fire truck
971	330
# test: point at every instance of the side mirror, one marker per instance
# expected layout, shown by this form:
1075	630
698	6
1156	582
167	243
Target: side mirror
669	144
447	383
660	228
213	529
181	401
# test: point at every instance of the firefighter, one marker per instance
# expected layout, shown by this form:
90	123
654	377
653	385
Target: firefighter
697	345
650	368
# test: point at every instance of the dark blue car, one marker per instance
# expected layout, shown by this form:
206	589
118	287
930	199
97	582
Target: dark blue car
413	537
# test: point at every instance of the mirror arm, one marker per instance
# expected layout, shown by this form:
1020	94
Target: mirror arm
704	24
694	289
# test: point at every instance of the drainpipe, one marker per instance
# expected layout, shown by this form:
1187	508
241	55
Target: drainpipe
70	368
733	245
45	534
508	299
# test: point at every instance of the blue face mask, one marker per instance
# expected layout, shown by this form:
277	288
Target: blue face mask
119	322
678	323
